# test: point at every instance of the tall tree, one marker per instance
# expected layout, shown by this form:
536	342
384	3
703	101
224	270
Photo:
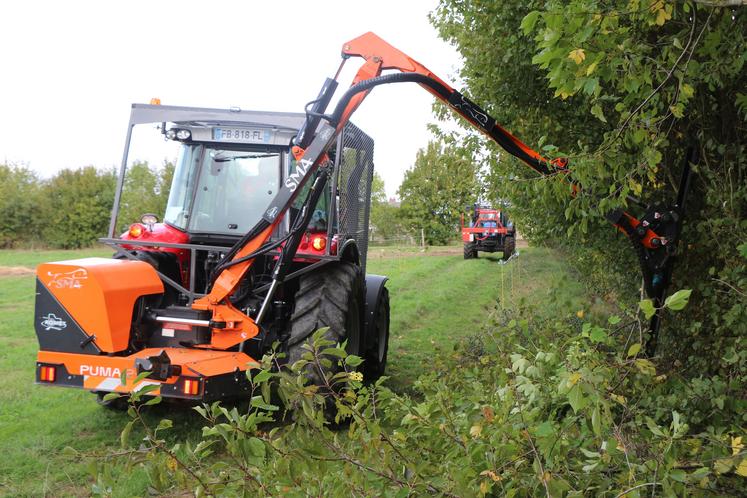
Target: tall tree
624	88
436	190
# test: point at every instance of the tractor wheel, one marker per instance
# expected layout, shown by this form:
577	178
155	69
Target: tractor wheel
509	245
469	250
375	358
329	297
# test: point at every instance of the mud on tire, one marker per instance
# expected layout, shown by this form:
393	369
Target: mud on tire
329	297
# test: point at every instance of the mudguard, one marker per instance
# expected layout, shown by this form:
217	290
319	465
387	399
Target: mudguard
374	290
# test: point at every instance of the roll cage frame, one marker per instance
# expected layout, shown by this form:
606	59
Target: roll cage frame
284	124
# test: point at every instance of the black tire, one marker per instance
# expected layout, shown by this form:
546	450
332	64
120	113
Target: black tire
509	246
118	405
375	358
469	250
329	297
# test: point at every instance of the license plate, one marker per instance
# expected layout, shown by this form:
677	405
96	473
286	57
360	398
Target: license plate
242	135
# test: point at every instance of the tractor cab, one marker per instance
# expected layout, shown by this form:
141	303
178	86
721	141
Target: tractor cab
229	166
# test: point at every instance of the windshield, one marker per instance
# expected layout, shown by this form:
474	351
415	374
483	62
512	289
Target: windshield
180	197
233	189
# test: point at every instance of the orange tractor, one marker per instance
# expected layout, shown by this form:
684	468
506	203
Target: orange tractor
263	241
488	230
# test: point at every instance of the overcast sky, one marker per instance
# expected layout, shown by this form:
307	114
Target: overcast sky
71	69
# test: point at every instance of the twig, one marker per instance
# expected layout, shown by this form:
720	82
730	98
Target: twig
661	85
636	487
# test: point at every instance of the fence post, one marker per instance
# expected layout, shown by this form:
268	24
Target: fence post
422	240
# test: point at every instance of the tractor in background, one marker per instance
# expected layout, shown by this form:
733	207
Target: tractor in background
488	230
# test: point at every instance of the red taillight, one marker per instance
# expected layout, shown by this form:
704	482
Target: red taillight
319	242
47	374
136	230
192	386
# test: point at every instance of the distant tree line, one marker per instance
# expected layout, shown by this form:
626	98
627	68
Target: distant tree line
72	209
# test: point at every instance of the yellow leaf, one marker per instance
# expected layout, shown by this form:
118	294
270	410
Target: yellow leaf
475	430
592	67
742	468
490	474
484	488
736	445
620	399
573	379
662	16
645	366
577	55
580	313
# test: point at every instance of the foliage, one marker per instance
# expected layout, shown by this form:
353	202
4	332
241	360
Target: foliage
436	190
385	222
623	89
19	202
145	190
78	207
73	208
534	404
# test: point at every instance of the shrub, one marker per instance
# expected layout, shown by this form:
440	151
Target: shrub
534	405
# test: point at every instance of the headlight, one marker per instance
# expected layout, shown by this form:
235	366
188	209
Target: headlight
149	219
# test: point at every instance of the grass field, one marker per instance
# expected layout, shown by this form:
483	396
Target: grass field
437	298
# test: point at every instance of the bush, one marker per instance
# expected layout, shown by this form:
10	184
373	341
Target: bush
534	404
19	205
78	206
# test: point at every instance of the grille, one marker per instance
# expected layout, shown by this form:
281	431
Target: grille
353	181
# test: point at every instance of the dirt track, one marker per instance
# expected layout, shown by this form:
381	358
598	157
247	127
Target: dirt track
6	271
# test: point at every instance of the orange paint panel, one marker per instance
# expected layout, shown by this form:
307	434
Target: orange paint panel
102	373
100	294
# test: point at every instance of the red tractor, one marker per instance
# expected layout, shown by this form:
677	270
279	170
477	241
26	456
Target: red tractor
489	230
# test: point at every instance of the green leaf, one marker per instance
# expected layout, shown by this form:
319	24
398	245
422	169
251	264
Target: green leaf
165	424
634	349
647	306
262	376
527	24
140	377
353	361
112	396
256	447
678	300
148	388
153	401
576	399
338	352
596	111
678	475
598	334
125	434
